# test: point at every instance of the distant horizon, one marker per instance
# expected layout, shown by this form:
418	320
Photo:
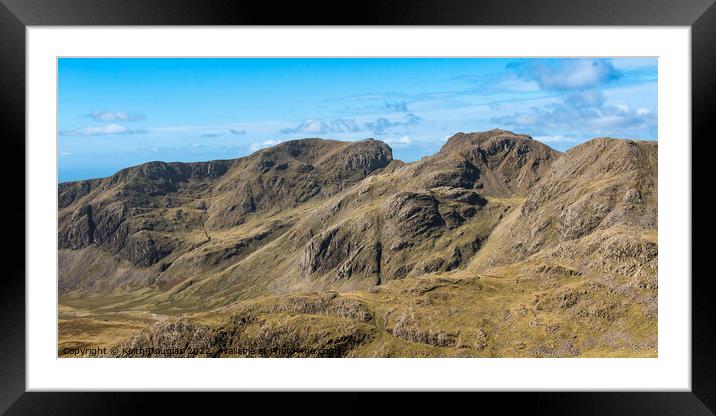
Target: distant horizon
115	113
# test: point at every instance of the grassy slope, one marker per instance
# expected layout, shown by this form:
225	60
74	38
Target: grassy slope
443	314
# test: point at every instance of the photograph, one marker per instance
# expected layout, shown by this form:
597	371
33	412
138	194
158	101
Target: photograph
357	207
233	197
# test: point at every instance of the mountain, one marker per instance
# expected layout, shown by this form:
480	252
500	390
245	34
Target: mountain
133	225
497	245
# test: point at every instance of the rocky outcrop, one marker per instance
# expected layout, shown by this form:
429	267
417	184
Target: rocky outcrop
174	337
327	326
357	160
345	251
408	328
77	229
68	192
414	214
497	162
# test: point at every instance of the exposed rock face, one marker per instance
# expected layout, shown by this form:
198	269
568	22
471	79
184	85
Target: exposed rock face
358	160
414	214
347	250
497	162
79	231
68	192
176	337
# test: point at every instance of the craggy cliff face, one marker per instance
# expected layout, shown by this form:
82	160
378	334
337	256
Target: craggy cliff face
374	256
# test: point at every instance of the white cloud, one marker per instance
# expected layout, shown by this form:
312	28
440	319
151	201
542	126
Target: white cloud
584	112
108	116
381	124
378	126
107	129
567	74
399	141
340	125
260	145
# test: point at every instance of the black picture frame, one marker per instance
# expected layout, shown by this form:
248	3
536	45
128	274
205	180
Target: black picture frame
16	15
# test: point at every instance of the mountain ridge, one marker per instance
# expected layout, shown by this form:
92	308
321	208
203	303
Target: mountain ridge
322	216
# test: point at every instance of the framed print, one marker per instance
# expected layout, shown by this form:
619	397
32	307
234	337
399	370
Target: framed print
409	198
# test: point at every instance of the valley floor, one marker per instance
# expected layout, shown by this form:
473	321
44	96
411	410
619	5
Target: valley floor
457	314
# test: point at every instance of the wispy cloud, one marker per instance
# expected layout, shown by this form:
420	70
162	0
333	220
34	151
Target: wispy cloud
557	139
109	116
212	134
382	124
584	111
566	74
340	125
208	130
396	106
106	130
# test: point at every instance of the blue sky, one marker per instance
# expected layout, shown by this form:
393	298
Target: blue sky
119	112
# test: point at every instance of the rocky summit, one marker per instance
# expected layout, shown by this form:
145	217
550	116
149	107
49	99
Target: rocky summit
495	246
